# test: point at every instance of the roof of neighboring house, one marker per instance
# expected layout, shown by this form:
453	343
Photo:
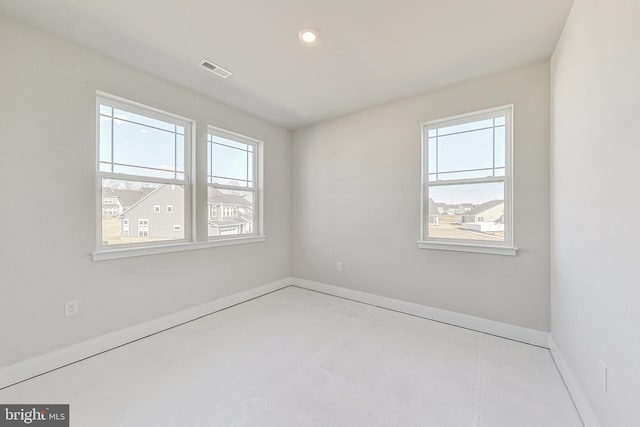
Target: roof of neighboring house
241	219
484	207
218	197
147	194
127	198
445	206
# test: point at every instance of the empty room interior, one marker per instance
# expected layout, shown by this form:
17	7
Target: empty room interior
303	213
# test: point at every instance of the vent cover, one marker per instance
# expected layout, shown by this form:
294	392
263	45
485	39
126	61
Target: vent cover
215	69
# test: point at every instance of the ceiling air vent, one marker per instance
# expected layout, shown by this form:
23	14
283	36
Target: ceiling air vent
215	69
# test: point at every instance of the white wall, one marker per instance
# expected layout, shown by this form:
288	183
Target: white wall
595	201
356	199
47	141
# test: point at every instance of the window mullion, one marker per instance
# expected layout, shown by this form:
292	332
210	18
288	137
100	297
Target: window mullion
486	180
140	178
232	188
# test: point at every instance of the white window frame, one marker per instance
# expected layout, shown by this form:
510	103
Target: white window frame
157	209
195	225
177	227
154	113
505	247
169	209
145	225
257	188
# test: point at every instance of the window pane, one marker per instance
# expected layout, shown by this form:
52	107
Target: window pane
137	145
128	214
231	143
104	109
230	212
230	163
105	139
148	121
472	150
500	120
466	211
432	155
500	141
466	127
180	153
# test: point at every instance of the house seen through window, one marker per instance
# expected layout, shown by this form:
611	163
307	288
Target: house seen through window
232	184
145	180
467	178
141	167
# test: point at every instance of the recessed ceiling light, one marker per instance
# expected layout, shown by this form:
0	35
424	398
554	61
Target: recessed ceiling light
308	36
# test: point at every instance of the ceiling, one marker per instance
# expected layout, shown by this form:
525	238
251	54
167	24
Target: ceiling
369	51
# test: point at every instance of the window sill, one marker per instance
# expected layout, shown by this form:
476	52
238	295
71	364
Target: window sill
469	247
106	254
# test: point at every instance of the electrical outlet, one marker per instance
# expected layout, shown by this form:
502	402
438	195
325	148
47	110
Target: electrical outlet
339	266
71	308
605	376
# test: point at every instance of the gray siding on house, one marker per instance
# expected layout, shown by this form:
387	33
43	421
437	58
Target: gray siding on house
160	224
228	214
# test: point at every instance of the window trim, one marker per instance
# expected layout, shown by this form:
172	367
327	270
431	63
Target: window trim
172	247
505	247
195	237
257	189
103	98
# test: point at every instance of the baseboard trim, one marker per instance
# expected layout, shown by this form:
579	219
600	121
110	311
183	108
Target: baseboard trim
579	399
504	330
39	365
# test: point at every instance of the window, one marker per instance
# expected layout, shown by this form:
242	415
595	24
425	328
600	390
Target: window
467	182
232	178
143	162
143	228
147	188
213	212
